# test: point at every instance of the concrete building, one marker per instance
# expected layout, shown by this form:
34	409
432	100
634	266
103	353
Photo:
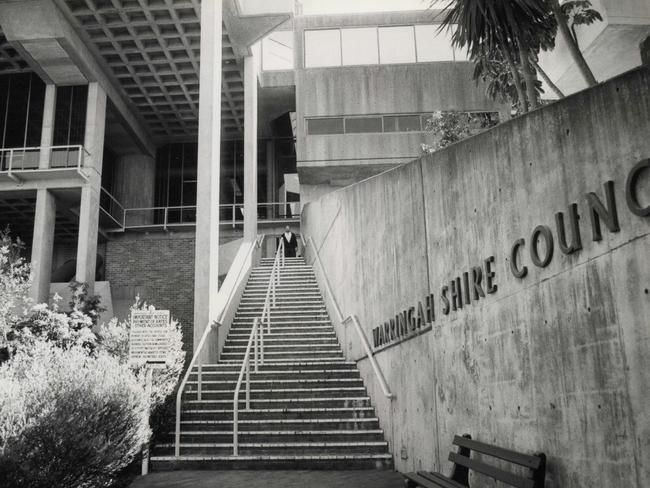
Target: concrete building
146	148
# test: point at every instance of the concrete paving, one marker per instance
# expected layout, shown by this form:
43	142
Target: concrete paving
271	479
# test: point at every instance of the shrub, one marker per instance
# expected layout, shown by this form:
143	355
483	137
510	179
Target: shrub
69	419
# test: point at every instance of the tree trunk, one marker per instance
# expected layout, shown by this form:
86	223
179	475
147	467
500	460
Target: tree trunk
548	81
529	76
576	54
516	78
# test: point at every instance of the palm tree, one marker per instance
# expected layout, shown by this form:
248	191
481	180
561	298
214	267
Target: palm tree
560	12
506	26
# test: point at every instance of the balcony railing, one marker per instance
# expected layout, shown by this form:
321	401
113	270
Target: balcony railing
27	158
164	218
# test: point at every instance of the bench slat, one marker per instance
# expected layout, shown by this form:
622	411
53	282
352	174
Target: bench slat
441	480
421	481
532	462
492	471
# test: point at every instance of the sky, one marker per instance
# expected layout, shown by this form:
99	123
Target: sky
347	6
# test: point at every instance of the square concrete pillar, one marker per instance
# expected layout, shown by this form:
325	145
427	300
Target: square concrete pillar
43	245
206	276
47	128
89	205
250	149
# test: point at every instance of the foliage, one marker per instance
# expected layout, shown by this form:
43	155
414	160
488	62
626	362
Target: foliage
579	12
113	338
68	419
81	301
15	280
451	127
44	323
504	39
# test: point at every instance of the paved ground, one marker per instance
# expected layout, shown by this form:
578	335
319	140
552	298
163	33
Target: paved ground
271	479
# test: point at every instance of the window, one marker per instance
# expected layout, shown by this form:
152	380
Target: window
363	124
402	123
277	51
433	44
360	46
322	48
396	45
325	126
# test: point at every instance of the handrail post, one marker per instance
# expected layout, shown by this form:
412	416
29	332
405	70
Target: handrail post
166	216
248	385
200	374
255	341
11	160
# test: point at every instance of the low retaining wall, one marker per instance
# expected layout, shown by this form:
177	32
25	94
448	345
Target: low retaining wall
554	360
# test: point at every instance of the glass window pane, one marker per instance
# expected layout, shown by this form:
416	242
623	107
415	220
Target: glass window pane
396	45
277	51
402	123
360	46
322	48
325	126
363	124
432	44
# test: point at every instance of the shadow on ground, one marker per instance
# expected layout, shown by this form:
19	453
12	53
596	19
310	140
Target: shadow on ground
270	479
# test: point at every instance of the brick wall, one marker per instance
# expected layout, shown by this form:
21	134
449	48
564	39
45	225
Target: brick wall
159	268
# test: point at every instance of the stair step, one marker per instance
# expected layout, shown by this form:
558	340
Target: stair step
285	403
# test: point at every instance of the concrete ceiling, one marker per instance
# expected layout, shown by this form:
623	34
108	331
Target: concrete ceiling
153	50
10	60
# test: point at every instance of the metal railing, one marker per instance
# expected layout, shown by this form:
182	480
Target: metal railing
28	158
353	318
256	342
197	354
234	212
112	208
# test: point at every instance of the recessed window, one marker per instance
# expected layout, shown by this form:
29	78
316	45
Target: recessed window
332	125
433	44
402	123
360	46
322	48
363	124
396	44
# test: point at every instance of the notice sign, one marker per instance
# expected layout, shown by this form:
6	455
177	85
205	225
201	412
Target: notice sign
149	338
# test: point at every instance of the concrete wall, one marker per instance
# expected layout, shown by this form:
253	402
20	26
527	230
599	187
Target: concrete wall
340	160
556	361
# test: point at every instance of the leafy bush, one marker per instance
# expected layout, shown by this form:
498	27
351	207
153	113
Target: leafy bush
69	419
15	280
113	338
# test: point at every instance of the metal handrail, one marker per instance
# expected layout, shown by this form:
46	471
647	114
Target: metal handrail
50	149
109	212
256	341
353	318
212	326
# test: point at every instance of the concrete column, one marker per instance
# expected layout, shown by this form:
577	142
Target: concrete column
250	149
270	175
47	128
43	245
134	186
89	206
206	275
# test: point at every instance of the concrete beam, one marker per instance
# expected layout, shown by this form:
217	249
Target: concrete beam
245	30
206	277
41	33
43	245
250	149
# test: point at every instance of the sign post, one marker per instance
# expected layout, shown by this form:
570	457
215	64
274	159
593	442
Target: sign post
149	343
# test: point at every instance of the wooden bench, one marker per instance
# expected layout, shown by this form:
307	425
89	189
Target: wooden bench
463	464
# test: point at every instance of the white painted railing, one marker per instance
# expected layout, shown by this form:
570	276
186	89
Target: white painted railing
256	342
353	318
27	158
214	326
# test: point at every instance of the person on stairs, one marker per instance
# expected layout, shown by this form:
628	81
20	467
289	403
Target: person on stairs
290	243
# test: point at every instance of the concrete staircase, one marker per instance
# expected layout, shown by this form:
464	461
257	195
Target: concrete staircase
309	407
